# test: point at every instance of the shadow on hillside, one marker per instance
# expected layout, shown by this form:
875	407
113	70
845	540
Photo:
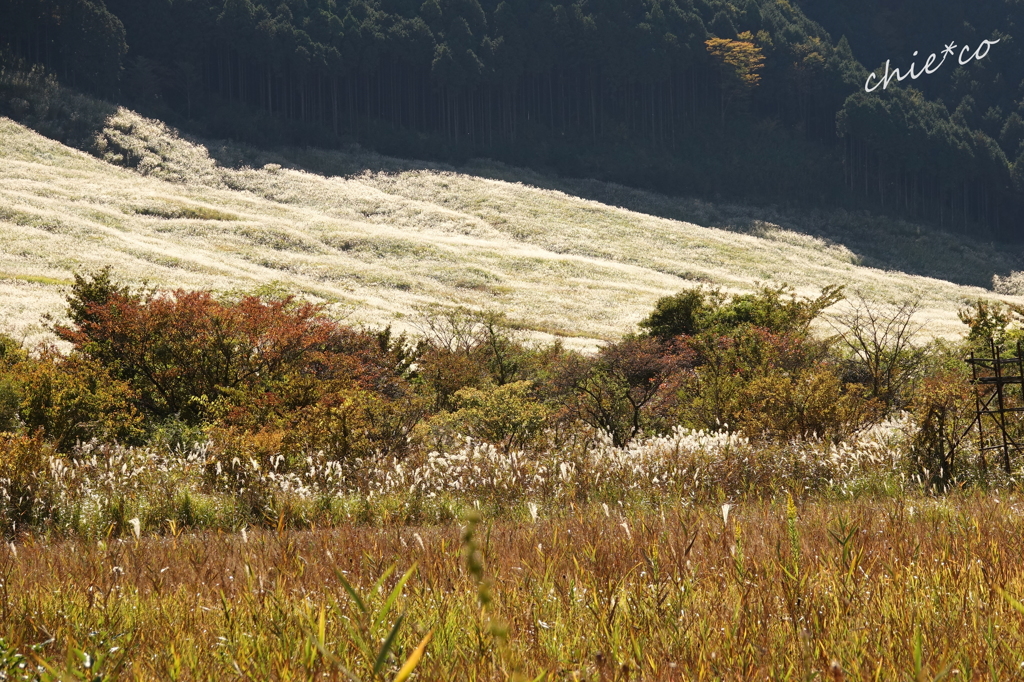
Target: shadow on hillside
875	241
40	103
37	101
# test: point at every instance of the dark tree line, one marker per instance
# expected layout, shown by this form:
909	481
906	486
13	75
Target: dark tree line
80	40
949	151
477	73
709	97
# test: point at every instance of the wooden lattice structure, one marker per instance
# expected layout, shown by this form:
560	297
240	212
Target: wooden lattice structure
999	396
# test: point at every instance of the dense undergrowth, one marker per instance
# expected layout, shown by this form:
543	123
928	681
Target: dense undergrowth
181	409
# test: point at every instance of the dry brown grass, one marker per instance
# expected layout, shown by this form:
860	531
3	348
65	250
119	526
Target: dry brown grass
898	589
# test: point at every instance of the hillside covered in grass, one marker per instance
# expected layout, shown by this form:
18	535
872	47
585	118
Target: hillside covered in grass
383	238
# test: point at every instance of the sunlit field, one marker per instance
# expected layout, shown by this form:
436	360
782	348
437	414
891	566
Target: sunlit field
904	589
239	486
383	244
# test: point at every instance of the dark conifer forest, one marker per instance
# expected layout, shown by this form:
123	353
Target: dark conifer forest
754	100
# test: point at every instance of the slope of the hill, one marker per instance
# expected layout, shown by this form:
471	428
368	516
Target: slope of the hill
382	245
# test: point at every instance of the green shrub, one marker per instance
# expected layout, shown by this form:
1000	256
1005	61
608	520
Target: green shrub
753	365
943	407
467	349
74	399
880	351
508	416
340	425
699	310
67	399
992	323
11	356
715	395
810	403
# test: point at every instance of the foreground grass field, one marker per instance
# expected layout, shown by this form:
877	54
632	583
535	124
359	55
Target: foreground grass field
382	243
907	589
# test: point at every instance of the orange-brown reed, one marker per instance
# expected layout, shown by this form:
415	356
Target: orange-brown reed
893	589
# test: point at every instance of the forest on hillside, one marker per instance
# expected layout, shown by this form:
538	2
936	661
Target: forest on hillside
759	100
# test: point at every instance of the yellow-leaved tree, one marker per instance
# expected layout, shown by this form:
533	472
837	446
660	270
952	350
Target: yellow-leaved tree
740	62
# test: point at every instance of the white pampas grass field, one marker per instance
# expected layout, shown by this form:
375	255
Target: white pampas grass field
380	246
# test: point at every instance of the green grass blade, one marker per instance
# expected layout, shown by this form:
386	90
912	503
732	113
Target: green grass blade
380	581
1012	602
382	614
351	591
385	648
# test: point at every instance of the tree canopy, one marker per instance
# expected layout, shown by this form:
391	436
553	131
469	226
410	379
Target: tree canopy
675	95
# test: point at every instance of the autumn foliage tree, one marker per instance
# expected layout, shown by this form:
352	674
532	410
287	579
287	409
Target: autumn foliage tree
270	377
183	350
740	62
627	387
